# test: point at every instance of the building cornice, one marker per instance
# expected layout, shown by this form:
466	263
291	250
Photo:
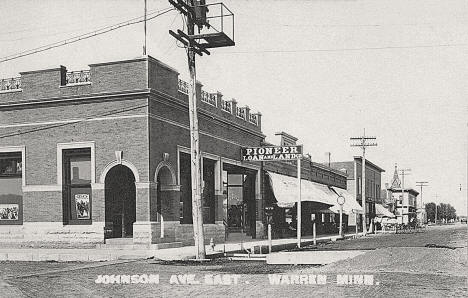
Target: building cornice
370	163
176	102
61	99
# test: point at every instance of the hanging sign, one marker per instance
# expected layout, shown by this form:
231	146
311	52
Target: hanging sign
271	153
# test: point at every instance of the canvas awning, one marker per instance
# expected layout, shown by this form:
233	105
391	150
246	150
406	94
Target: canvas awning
350	206
285	190
381	211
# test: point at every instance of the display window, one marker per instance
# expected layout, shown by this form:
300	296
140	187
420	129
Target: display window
77	186
11	192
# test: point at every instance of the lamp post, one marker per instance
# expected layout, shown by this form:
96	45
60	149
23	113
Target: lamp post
341	200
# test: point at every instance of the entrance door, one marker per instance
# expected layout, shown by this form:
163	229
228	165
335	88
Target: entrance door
120	200
240	205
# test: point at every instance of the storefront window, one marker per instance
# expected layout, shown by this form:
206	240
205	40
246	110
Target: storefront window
11	194
77	186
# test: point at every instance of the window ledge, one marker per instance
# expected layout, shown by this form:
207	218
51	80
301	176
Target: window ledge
11	91
75	84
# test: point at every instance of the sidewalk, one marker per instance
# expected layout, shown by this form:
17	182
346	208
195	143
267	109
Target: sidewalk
179	253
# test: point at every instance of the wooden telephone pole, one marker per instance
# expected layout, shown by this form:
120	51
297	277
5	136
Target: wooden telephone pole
363	143
422	184
144	28
195	12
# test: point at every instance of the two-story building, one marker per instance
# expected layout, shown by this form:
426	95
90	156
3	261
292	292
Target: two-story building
103	153
403	202
320	187
354	181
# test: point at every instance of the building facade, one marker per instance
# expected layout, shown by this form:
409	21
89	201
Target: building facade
104	153
91	155
317	194
403	202
373	185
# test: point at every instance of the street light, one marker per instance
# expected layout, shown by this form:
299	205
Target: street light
341	200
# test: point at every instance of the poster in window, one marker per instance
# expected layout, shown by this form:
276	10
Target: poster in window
9	211
82	206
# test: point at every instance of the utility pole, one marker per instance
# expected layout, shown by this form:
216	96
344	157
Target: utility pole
299	203
435	217
422	184
403	173
196	13
363	143
144	45
329	158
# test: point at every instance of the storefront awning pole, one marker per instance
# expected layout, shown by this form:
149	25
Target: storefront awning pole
299	212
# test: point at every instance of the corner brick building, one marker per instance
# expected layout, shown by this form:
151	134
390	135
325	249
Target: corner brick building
104	153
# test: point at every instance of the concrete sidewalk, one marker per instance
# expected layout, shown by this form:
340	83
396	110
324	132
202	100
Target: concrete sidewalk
178	253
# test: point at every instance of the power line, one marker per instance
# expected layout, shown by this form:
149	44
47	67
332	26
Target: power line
110	113
349	49
84	36
38	28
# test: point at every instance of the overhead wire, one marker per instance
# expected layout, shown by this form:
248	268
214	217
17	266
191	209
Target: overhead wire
85	36
38	28
348	49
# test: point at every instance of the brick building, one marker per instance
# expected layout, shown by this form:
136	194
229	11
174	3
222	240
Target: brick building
373	185
320	187
104	153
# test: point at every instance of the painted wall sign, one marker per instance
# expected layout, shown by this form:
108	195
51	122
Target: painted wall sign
271	153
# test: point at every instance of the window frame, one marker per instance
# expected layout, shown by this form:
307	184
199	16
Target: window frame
62	157
5	150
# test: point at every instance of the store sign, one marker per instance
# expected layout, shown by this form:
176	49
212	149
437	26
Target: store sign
271	153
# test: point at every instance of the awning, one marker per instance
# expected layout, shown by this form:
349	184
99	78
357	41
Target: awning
350	206
381	211
286	191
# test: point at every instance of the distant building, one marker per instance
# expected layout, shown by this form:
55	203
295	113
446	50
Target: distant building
403	202
373	185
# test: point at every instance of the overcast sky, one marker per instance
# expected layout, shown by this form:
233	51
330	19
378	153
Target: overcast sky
319	70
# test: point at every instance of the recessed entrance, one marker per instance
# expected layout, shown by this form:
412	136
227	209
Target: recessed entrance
120	201
240	215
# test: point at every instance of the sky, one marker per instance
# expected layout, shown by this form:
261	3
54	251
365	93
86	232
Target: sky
321	70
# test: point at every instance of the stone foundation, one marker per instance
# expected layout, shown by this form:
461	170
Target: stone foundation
52	234
184	233
150	232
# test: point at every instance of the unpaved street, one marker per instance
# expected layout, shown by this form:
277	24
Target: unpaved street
401	265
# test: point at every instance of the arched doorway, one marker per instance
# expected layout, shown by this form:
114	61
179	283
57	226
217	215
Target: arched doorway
120	202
